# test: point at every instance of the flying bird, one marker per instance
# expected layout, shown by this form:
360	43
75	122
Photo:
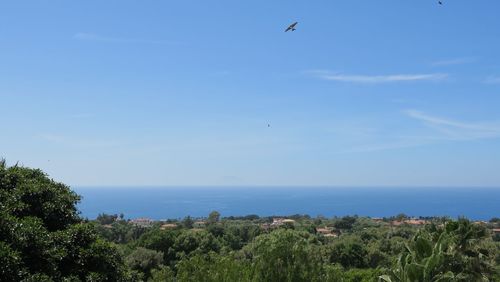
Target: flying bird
440	3
291	27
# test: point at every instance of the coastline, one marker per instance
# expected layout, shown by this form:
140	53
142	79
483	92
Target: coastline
178	202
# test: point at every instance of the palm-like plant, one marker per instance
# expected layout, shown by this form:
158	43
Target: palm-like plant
443	254
421	261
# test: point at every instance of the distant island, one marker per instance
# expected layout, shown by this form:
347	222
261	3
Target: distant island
43	238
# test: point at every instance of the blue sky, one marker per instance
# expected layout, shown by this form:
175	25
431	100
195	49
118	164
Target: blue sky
364	93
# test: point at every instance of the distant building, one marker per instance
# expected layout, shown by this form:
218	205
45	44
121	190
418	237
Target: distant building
142	222
324	230
416	222
278	221
397	223
199	224
327	232
413	222
496	231
168	226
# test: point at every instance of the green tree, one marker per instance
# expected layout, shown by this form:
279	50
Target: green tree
162	274
42	238
345	222
162	241
216	230
213	217
213	268
349	252
361	275
10	263
188	222
188	242
144	260
285	255
103	218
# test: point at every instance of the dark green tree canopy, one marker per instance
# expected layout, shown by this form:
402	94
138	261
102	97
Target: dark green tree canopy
26	192
42	238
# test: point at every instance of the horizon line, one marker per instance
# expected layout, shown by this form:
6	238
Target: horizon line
292	186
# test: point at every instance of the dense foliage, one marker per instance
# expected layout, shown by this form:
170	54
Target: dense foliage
42	238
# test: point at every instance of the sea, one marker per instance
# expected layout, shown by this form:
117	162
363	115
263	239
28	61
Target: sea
178	202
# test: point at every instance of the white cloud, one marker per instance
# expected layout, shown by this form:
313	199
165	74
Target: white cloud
456	61
457	130
440	130
380	78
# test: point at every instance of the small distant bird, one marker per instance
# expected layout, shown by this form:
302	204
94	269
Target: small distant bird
440	2
268	125
291	27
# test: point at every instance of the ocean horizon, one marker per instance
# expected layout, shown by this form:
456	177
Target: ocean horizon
178	202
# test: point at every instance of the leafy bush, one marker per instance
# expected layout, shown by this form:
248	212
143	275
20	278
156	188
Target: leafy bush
42	238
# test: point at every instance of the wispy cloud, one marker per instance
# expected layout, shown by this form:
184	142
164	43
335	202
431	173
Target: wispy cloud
455	61
457	130
379	78
83	36
439	130
492	79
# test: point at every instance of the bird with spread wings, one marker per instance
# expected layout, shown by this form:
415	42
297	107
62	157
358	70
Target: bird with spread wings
291	27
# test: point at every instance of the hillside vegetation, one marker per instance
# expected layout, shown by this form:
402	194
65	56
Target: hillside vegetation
43	238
